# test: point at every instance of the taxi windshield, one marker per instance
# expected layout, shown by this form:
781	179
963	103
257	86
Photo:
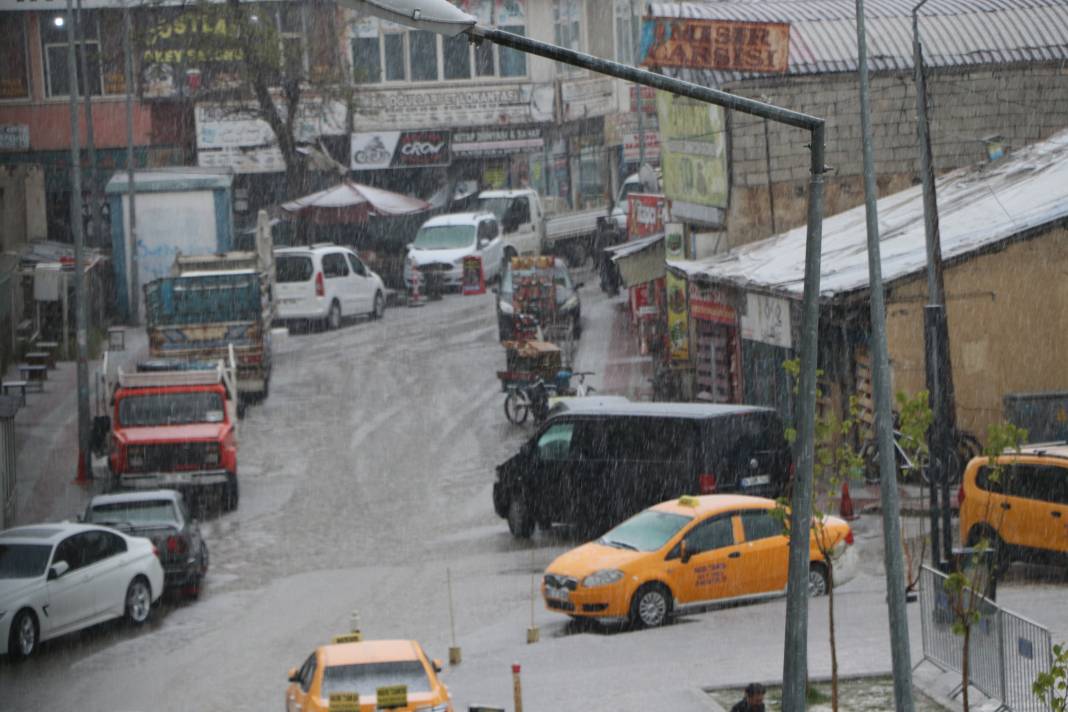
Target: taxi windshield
364	679
646	531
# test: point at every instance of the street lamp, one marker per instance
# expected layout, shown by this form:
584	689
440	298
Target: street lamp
442	17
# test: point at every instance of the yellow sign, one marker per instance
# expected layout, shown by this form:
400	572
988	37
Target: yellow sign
392	696
693	150
688	501
677	318
344	702
347	638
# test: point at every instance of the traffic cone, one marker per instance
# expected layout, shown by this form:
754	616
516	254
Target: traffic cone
845	509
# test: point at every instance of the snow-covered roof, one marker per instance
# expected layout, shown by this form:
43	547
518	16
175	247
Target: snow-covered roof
978	206
823	35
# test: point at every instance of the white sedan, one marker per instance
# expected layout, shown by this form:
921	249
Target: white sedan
59	578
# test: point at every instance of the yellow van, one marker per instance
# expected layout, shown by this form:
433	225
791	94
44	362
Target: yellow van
1023	513
687	552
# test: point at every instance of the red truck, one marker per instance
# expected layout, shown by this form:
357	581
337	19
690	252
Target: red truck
173	424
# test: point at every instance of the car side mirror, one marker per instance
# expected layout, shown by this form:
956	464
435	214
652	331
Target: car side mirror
684	553
483	243
579	286
57	569
293	675
438	665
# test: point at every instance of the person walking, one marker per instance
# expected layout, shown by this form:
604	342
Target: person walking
754	699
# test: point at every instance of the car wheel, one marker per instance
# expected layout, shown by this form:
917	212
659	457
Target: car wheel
231	494
651	606
333	318
22	642
520	518
138	601
380	306
1002	560
818	582
517	406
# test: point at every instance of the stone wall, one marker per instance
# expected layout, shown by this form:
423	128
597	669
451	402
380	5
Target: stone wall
1022	103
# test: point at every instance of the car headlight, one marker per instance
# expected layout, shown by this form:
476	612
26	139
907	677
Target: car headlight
506	307
570	304
135	457
602	578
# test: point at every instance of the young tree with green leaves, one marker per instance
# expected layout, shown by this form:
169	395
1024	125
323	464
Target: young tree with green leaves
1052	687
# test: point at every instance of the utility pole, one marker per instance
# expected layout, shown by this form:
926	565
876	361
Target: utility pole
90	143
893	556
936	331
80	306
131	190
636	34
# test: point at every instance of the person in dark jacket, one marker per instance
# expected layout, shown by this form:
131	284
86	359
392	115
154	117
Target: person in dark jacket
754	699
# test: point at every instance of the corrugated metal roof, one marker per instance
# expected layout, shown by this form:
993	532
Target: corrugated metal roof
978	207
823	36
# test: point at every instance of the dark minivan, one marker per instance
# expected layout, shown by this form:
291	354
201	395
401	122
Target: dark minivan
595	464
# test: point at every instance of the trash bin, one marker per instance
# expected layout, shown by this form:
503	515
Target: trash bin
978	566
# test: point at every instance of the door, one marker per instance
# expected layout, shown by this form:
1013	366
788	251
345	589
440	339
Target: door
520	227
109	575
552	480
336	274
363	285
70	597
1017	513
1050	510
714	566
490	248
766	552
297	694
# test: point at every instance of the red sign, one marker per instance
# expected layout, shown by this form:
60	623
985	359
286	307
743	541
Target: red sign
648	98
646	215
718	44
474	281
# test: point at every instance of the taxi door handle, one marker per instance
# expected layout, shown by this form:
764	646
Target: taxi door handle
734	555
1055	514
1006	505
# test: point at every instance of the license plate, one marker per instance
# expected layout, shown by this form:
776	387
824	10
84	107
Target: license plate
556	594
756	480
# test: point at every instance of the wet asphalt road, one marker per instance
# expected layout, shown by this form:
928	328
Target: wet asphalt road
364	476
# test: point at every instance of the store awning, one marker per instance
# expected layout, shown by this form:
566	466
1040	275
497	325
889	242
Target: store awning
350	202
640	260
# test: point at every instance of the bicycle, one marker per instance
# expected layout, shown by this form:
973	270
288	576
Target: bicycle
966	446
534	398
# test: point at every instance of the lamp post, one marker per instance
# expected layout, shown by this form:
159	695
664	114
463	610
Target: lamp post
444	18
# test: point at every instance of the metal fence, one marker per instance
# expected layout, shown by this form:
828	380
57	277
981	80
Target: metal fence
1006	652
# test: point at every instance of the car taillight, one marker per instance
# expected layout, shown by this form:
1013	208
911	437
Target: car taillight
320	288
849	537
175	545
706	483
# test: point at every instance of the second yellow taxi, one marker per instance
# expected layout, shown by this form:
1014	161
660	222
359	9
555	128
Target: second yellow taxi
688	552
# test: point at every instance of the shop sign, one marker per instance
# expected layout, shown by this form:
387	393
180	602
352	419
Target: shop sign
400	149
646	215
14	137
693	153
674	247
497	141
432	107
632	143
767	320
678	321
716	44
648	98
711	305
585	98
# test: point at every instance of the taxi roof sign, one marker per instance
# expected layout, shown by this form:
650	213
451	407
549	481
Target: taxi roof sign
347	638
344	702
391	696
688	501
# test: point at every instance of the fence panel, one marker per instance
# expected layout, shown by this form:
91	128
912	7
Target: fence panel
1026	651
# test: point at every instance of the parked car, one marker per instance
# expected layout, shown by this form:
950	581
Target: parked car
324	284
568	303
352	676
598	462
444	241
59	578
162	517
1023	511
687	552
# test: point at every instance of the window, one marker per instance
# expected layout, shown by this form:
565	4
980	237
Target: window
487	230
396	71
366	63
14	59
423	49
457	56
760	525
334	265
357	266
307	672
172	409
1052	485
54	38
293	268
23	560
142	512
555	443
70	551
365	678
98	545
713	534
513	62
566	29
626	53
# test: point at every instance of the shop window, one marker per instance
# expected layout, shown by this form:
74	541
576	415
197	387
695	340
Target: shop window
14	58
457	57
423	47
54	45
394	52
366	62
513	62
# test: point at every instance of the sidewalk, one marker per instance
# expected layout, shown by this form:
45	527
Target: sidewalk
46	441
609	348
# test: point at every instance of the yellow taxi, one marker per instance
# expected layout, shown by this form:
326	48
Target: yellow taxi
1022	513
687	552
353	675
